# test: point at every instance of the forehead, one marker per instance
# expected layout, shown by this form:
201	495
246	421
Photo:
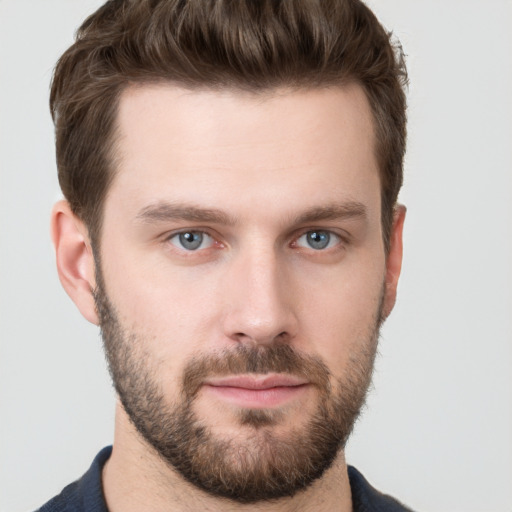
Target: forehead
279	115
209	145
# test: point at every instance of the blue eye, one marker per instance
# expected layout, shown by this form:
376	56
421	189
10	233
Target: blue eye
191	240
318	240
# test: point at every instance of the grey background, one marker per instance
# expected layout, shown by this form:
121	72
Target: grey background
438	429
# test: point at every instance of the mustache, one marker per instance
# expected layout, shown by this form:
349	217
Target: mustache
278	358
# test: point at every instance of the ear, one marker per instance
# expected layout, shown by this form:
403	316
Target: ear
75	260
394	260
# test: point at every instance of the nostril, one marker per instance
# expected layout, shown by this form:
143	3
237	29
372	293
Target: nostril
243	337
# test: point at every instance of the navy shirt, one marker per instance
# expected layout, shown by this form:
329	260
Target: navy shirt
86	494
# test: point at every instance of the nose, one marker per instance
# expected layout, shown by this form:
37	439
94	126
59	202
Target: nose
259	308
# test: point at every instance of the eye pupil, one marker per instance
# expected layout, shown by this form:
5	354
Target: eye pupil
191	240
318	239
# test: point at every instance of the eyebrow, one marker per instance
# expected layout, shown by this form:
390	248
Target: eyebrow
337	211
163	211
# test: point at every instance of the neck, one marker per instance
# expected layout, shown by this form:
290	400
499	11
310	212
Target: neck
135	478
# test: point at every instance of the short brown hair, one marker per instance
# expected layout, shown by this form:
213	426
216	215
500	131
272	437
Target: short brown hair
240	44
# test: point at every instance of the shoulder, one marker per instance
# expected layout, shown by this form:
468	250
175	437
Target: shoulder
84	495
67	501
366	498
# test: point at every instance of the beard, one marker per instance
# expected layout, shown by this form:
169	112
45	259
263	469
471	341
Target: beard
259	465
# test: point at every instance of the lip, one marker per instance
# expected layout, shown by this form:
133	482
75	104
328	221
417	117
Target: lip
256	391
257	381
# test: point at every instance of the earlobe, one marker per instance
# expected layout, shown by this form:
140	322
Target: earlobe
394	260
75	260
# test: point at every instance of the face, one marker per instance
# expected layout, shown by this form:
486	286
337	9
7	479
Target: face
242	280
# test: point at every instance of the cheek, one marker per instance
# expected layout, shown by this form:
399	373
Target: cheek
166	311
154	294
339	318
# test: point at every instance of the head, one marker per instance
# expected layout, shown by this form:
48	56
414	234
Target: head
231	171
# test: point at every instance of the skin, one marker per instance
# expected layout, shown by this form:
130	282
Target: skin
265	164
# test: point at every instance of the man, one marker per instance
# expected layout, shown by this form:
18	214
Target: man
231	172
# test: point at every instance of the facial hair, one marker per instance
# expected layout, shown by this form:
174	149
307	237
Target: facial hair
262	465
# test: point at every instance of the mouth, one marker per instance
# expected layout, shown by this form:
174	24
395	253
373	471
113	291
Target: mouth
257	391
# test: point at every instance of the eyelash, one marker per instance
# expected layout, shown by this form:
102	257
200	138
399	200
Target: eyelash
340	241
319	233
169	239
